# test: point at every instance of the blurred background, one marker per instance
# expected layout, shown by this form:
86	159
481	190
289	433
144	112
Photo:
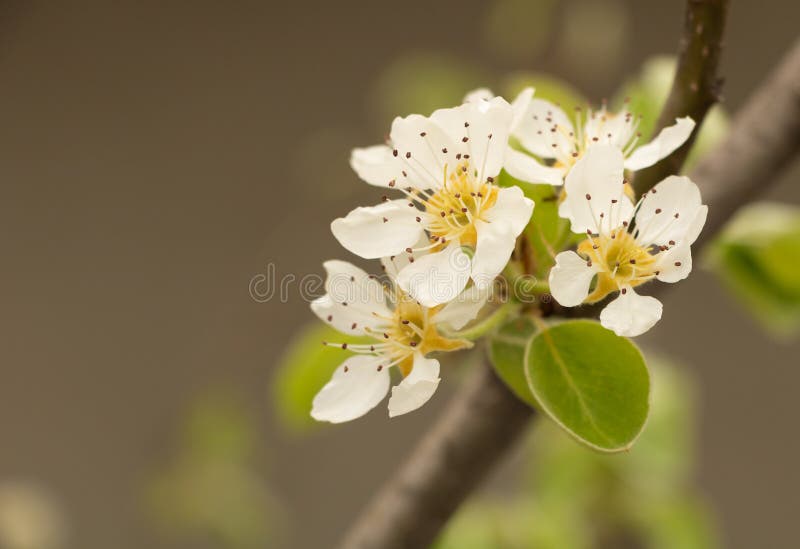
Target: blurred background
157	156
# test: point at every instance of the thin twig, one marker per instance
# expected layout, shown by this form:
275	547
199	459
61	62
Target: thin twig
485	418
696	86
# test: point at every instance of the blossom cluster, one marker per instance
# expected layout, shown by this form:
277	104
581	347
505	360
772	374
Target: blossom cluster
451	227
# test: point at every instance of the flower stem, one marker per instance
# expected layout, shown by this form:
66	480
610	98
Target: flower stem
488	324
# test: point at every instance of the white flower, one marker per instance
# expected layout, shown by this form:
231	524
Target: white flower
627	245
445	164
546	131
404	331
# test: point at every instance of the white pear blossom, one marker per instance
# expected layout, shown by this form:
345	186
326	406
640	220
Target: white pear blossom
627	244
547	132
404	333
445	165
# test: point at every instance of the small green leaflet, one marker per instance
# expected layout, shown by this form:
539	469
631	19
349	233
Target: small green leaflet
507	353
591	382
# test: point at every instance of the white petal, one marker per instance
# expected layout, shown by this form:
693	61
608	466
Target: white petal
631	314
594	186
464	308
606	128
697	224
476	96
378	231
436	278
417	388
535	133
496	241
356	387
666	142
393	264
526	168
348	320
423	150
674	264
520	107
512	207
486	126
570	279
656	221
354	300
347	283
376	165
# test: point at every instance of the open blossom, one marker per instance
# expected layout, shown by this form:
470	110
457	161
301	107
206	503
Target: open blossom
627	244
404	333
445	165
546	131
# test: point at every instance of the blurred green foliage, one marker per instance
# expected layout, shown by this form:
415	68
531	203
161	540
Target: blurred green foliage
212	491
507	355
568	497
757	257
422	83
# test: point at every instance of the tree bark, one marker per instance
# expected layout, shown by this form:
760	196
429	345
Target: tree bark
480	424
696	86
485	418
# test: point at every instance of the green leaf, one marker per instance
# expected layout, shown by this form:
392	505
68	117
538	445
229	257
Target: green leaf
306	366
507	353
591	382
757	256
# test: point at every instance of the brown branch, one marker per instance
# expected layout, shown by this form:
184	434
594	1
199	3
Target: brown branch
480	424
696	86
485	418
764	138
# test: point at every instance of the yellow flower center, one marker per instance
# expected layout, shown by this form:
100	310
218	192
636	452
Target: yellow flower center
456	207
572	146
621	262
412	328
